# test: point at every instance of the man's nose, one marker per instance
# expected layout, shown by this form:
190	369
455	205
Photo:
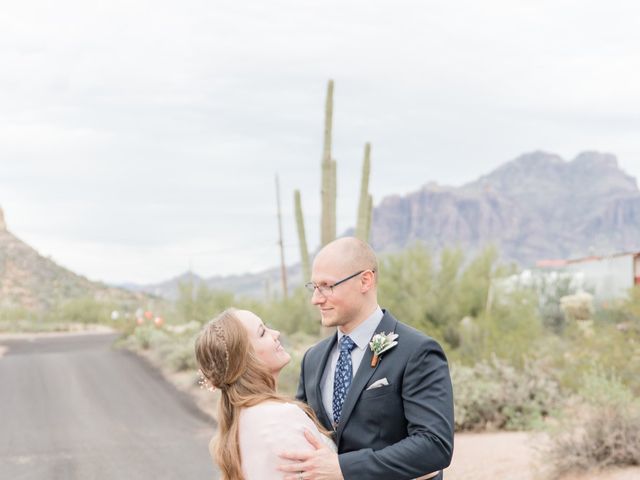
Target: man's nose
317	298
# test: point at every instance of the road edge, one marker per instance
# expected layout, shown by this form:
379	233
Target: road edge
188	396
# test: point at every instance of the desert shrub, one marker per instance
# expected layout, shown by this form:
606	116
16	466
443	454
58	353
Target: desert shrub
495	395
604	346
143	337
601	430
290	374
200	303
549	290
67	315
290	315
18	319
16	314
627	312
182	357
577	307
510	330
405	283
81	310
435	294
610	312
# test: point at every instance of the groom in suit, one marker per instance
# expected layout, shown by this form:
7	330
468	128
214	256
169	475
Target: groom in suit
391	416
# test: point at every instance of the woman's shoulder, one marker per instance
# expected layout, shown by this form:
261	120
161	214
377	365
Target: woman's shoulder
275	425
272	423
273	409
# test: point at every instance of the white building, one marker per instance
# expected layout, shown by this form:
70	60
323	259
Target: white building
608	277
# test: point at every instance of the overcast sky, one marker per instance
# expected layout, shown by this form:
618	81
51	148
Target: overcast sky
141	138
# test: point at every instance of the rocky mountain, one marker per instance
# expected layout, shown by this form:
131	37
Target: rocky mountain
258	285
535	207
34	282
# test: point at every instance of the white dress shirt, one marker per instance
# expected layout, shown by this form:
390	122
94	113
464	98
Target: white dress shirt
361	336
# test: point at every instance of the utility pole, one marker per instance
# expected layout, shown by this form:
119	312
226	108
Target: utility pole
283	268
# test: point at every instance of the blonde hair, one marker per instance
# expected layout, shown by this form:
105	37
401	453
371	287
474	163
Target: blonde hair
227	360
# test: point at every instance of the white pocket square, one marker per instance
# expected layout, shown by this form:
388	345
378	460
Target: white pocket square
378	383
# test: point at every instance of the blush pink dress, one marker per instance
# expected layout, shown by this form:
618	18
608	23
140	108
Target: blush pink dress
269	428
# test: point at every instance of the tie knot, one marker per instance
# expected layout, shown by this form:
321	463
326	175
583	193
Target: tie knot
346	344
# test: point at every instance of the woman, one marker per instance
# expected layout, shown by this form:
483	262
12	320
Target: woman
242	357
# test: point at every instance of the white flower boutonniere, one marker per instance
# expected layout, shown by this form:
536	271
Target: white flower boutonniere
381	342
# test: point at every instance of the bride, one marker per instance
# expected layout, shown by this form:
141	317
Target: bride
242	357
238	354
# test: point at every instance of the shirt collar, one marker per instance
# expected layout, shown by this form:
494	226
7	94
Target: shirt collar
362	334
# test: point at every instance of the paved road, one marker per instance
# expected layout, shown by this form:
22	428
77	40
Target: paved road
71	407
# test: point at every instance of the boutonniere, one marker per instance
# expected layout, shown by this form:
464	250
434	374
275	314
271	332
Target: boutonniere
381	342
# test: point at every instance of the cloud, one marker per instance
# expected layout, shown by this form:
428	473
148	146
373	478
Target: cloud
143	129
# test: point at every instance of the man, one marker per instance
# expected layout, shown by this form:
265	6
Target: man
392	416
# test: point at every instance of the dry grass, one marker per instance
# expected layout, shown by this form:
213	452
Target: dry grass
598	438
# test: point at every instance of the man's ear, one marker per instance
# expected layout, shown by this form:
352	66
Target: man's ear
368	280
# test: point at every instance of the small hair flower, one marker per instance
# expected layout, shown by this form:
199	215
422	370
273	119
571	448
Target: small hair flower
204	383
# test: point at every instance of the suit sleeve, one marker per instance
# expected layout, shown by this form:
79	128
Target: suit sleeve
427	397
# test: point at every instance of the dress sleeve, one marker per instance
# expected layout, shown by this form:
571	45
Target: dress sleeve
268	429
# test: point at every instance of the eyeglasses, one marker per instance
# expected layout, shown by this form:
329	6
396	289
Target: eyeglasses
326	290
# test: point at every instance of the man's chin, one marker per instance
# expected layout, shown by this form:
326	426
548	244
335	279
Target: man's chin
328	321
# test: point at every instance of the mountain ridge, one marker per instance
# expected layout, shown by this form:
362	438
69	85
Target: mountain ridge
31	281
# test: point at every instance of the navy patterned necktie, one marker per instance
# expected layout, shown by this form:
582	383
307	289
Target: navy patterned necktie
342	377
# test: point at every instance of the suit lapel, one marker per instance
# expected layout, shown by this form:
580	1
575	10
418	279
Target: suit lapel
324	352
364	373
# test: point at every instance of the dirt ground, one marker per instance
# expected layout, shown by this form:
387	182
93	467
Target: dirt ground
512	456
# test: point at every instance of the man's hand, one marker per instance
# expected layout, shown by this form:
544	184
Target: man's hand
320	464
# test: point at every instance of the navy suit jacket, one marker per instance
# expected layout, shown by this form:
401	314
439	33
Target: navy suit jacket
395	432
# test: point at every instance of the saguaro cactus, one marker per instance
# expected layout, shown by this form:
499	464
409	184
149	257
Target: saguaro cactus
302	238
328	194
333	198
369	218
328	188
362	230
